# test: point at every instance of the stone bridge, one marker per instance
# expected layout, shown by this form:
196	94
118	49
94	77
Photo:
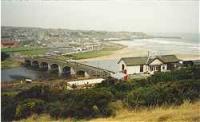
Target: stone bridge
66	67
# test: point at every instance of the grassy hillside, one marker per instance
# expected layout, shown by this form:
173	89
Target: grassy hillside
187	112
157	98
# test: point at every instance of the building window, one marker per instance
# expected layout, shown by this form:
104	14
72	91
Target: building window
141	68
151	68
123	67
157	68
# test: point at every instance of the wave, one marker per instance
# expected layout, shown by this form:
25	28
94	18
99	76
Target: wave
164	45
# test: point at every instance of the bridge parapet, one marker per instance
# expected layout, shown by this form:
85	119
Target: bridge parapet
75	66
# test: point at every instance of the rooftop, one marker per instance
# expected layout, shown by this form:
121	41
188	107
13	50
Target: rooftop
133	61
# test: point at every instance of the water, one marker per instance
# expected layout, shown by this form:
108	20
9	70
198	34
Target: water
165	46
21	73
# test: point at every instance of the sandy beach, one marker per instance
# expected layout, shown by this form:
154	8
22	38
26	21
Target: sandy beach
135	49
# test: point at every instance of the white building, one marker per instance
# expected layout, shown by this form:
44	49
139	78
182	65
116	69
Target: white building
162	63
84	83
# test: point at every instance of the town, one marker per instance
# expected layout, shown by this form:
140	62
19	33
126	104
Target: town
100	61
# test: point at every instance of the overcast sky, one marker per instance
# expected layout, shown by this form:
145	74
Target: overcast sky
111	15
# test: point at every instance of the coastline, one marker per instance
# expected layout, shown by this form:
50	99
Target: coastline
139	51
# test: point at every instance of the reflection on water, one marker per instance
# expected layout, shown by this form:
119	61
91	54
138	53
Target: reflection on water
21	73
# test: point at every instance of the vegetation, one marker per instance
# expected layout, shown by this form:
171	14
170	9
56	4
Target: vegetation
162	89
91	54
9	63
28	51
107	50
187	112
4	56
37	51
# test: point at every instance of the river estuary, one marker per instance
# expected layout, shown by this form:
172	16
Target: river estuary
21	73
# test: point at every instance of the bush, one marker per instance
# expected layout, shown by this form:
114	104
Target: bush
83	103
174	92
28	107
55	109
4	56
181	74
8	107
40	92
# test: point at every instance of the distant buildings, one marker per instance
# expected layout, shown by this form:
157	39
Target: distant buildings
8	43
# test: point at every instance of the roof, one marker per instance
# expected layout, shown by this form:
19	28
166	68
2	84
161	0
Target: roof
133	61
168	58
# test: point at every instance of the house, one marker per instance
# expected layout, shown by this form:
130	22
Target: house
7	43
162	63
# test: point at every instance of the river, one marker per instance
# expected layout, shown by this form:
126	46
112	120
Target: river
21	73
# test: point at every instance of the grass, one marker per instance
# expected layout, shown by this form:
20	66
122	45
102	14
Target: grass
25	50
92	54
39	51
9	63
187	112
107	50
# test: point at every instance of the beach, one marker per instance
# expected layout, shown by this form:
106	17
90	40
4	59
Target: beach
140	47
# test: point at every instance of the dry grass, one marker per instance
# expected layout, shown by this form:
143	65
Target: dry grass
187	112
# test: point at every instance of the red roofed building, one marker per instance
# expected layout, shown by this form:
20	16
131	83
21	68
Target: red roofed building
7	43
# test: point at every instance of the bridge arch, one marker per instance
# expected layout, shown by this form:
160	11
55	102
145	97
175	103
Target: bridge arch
66	70
35	64
44	66
54	68
27	63
80	73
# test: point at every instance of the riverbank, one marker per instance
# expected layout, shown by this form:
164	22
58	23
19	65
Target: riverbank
10	63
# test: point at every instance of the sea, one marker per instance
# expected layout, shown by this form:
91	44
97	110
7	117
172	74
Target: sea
186	44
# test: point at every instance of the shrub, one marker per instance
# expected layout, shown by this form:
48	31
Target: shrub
8	107
55	109
4	56
83	103
181	74
28	107
40	92
174	92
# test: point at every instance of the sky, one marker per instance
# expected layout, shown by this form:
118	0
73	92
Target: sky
180	16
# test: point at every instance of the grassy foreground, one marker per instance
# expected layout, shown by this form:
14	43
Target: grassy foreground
187	112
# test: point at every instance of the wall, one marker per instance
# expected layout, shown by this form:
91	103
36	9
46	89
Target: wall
120	65
163	67
156	62
133	69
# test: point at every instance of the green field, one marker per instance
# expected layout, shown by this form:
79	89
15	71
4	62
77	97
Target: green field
107	50
27	51
9	63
